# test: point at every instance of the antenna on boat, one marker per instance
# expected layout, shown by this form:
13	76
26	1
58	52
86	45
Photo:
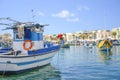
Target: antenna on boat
5	24
33	15
8	18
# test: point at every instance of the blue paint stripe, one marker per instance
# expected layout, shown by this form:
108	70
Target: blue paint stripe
44	50
31	62
27	63
25	39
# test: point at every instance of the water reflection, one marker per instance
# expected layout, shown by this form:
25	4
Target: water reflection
105	56
43	73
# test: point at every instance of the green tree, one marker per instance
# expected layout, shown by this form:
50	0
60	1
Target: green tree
114	34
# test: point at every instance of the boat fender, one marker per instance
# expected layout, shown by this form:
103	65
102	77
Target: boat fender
25	44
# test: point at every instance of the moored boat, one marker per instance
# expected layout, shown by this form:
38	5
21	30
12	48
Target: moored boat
5	47
116	42
65	46
62	41
28	50
105	45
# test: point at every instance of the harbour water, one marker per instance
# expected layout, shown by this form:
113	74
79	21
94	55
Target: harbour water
76	63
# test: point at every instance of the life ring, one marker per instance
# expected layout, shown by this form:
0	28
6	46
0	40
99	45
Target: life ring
25	46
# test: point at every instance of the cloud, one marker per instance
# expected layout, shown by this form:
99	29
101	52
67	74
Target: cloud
68	16
73	19
83	8
41	14
63	14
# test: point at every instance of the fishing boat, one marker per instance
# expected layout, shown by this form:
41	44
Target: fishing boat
105	45
62	41
29	50
65	46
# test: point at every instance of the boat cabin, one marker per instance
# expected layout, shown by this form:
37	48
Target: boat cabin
28	37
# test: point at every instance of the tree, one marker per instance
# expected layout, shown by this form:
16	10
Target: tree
73	35
114	34
83	36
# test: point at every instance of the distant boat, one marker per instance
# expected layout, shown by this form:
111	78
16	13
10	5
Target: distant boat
105	45
74	42
29	50
5	47
65	46
116	42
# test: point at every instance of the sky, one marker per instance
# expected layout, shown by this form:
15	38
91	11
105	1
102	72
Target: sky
63	16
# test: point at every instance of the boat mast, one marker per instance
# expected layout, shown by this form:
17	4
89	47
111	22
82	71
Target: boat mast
33	16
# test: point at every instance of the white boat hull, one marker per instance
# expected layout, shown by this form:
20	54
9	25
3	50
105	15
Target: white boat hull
15	64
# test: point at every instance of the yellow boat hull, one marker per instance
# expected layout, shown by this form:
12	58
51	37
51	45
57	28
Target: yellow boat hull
104	45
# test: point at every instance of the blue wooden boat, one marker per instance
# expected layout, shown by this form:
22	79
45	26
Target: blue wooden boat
28	51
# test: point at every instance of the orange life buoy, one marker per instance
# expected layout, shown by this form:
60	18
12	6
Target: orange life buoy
25	44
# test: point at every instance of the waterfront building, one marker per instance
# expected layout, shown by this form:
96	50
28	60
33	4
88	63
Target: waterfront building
69	36
94	35
6	37
0	37
86	35
115	32
102	34
47	37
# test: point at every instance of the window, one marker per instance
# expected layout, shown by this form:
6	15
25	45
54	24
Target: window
17	37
